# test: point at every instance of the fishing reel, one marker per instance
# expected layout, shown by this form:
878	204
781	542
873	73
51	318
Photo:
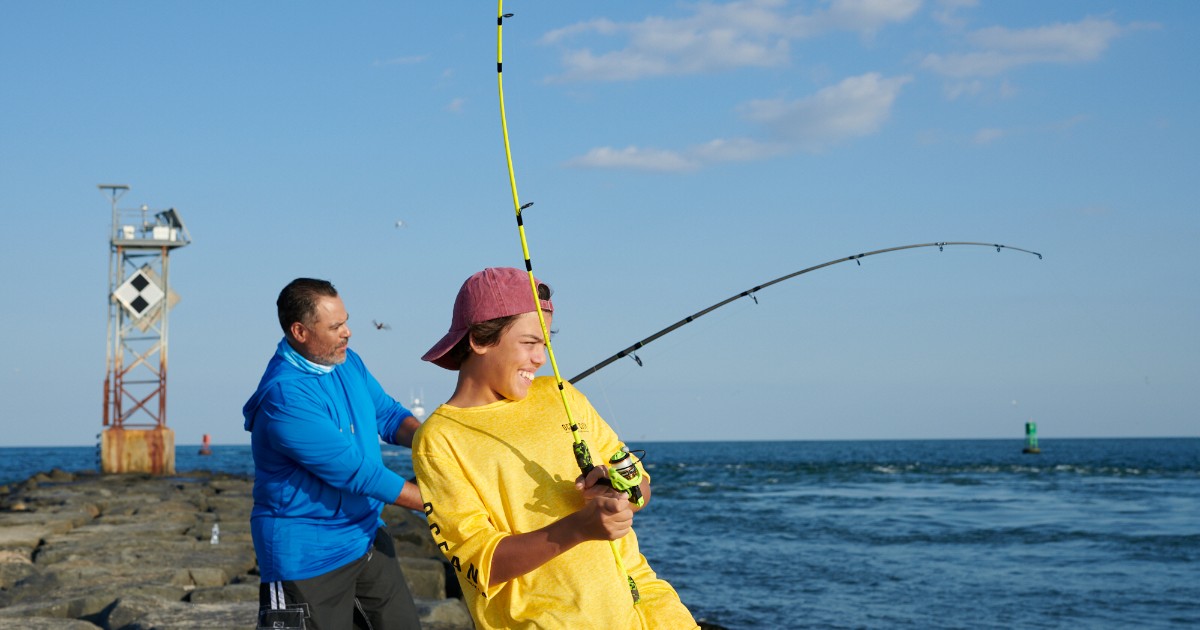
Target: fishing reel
623	473
625	476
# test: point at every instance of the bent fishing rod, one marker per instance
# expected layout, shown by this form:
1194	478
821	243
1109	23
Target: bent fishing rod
630	351
623	472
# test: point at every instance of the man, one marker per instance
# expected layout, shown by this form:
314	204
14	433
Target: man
319	480
528	537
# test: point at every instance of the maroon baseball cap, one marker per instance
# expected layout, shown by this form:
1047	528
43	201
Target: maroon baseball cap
490	294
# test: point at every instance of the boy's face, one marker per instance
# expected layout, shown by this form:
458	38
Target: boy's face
507	368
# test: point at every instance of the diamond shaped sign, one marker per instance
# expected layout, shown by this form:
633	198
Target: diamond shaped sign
139	293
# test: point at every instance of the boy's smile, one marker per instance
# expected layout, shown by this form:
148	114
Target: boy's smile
506	370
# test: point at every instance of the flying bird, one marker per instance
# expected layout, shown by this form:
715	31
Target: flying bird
380	325
401	224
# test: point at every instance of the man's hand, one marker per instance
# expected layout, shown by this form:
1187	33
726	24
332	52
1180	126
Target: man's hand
410	497
404	434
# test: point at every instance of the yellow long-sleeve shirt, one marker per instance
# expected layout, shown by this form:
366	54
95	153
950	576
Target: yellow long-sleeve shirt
507	468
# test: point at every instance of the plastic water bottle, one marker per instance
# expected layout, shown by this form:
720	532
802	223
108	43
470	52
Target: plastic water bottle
216	534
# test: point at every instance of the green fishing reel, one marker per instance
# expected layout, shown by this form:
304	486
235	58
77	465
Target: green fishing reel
623	473
625	476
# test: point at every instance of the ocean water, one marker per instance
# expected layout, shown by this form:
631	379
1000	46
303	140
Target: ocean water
895	534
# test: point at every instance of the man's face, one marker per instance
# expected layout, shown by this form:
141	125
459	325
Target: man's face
325	338
508	367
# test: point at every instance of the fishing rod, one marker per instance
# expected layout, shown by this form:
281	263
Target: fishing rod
623	472
629	352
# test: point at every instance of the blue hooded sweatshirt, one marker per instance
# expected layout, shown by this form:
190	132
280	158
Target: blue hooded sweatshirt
319	480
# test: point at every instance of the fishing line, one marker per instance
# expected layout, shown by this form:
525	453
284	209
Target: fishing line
583	456
857	258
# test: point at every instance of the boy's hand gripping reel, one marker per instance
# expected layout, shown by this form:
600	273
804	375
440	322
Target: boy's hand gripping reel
623	473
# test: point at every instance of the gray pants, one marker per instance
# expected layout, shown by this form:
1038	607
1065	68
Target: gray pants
369	593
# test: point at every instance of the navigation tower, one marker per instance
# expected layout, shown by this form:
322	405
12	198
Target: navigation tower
136	437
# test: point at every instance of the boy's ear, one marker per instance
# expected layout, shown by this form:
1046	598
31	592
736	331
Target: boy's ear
476	348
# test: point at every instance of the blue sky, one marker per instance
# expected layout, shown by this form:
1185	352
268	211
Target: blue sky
676	153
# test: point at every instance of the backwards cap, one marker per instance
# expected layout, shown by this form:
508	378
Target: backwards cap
489	294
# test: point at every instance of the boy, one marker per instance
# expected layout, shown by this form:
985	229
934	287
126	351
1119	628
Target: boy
528	537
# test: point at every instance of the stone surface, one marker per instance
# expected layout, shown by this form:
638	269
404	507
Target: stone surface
426	577
133	552
46	623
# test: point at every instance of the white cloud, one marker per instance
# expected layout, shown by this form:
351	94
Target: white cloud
865	16
736	150
721	36
691	159
855	107
1000	49
1081	41
456	105
947	12
745	33
987	136
635	158
1069	123
963	88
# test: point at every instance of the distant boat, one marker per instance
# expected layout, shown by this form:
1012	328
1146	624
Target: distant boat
417	410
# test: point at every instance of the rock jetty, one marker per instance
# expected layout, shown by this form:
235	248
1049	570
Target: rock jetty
80	551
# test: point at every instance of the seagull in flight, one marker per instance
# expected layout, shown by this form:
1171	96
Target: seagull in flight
380	325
